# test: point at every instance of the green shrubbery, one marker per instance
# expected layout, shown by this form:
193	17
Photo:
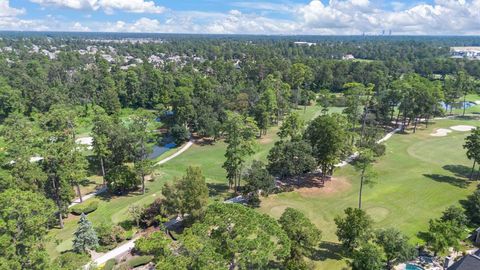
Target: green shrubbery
134	262
121	179
109	236
110	264
71	260
154	214
85	207
129	234
180	134
139	261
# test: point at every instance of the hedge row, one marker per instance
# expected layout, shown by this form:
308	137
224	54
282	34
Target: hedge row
110	264
139	261
85	207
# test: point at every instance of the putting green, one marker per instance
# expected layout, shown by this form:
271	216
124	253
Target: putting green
440	150
419	177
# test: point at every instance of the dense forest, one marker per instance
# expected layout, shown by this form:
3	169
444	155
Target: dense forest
229	88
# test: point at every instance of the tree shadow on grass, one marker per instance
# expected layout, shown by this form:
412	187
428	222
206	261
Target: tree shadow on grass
93	167
454	181
86	182
327	251
423	235
217	189
127	224
105	196
459	170
466	117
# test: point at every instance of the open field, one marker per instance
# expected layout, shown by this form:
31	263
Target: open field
420	176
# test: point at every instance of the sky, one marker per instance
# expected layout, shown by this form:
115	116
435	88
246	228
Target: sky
266	17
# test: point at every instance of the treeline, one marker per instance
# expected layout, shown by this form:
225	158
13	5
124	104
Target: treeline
42	102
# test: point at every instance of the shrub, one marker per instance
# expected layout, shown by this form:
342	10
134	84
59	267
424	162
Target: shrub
85	207
118	233
155	244
121	179
110	264
151	214
122	266
180	134
71	260
103	233
339	101
129	234
139	261
109	235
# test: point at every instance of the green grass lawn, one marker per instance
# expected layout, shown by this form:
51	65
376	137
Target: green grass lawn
419	177
472	110
209	157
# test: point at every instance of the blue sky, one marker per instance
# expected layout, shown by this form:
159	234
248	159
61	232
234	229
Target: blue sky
433	17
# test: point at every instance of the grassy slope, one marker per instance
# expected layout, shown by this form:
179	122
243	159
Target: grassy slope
414	186
210	158
403	198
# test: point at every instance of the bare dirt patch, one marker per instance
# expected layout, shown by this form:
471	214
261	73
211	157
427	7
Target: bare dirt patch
266	139
333	186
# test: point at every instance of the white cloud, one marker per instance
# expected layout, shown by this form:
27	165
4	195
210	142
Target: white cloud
74	4
135	6
237	22
109	6
7	11
193	22
78	27
357	16
257	5
13	23
146	25
316	17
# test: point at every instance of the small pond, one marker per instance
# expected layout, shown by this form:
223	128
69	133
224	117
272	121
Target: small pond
164	144
458	105
160	150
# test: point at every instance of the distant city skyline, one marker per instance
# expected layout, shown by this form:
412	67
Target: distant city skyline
334	17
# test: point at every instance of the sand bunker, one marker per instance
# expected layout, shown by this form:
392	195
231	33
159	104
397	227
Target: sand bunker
462	128
440	132
477	102
85	141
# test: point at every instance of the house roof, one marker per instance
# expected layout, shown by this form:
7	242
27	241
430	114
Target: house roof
469	262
